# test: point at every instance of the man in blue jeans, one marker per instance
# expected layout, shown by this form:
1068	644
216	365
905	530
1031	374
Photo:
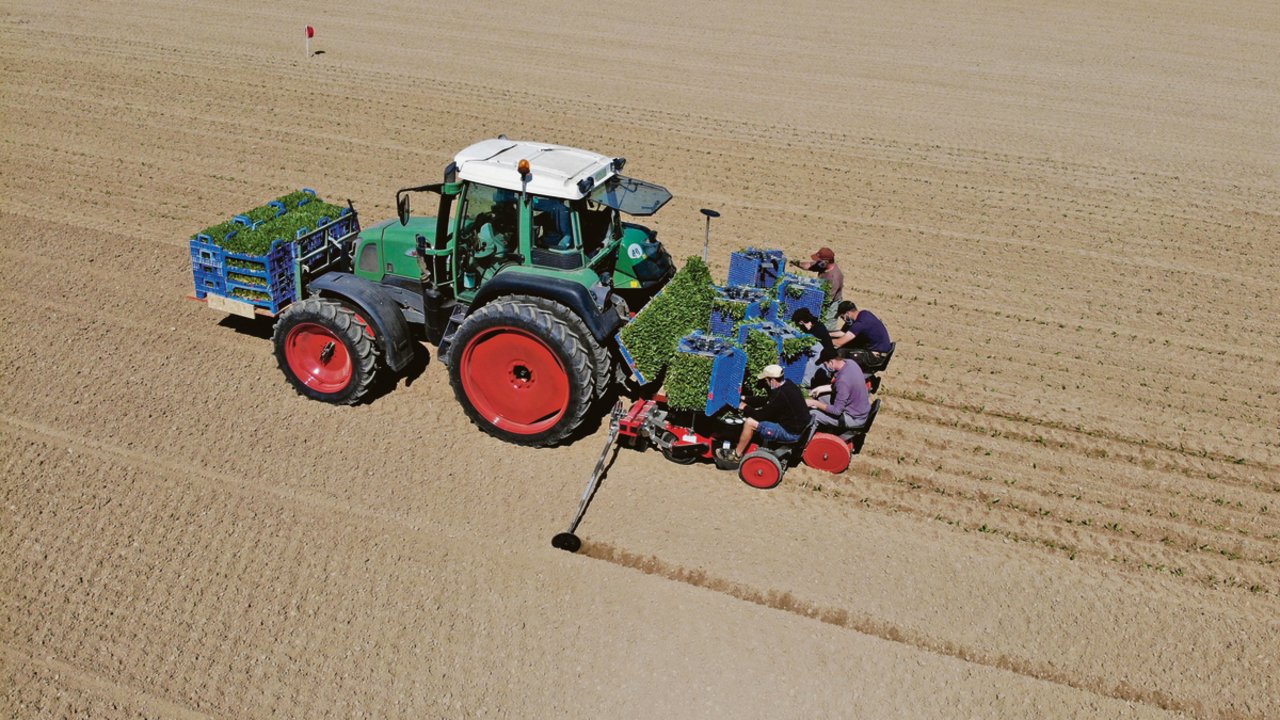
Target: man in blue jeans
844	403
783	417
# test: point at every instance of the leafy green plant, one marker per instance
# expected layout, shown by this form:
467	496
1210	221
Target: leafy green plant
761	350
246	279
688	380
302	210
683	306
736	310
796	346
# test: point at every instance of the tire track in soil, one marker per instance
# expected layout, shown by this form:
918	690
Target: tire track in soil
100	694
788	602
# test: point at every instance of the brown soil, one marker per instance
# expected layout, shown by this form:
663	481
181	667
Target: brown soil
1069	507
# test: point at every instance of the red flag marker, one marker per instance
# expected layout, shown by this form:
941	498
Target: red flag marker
310	32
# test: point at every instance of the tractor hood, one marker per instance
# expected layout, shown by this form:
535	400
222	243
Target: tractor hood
392	230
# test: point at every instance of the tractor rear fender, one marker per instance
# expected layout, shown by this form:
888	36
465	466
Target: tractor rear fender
377	306
602	323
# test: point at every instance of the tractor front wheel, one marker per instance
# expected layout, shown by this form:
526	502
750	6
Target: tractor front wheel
521	373
326	351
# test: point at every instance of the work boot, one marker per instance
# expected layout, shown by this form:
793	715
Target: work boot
727	458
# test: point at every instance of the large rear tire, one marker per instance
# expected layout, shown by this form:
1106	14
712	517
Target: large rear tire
325	351
521	373
602	364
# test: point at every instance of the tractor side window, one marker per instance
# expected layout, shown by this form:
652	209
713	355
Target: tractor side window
552	224
488	232
596	222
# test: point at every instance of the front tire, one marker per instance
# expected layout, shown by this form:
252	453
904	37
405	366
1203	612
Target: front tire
761	470
325	351
521	373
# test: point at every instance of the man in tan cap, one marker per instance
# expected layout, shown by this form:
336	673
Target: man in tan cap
783	417
823	262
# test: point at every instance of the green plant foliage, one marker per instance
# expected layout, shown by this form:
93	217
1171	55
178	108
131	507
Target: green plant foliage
250	294
683	306
735	309
793	347
246	279
827	291
795	291
302	210
246	265
688	381
218	233
761	350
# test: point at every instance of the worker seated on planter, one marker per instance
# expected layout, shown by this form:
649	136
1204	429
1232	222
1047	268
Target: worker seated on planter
843	404
782	420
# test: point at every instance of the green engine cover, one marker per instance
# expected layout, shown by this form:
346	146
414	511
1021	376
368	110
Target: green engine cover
642	261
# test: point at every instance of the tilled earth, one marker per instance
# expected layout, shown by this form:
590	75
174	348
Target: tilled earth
1069	505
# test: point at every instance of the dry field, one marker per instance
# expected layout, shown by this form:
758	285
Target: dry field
1068	214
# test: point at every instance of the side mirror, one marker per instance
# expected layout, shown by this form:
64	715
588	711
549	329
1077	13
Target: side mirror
402	208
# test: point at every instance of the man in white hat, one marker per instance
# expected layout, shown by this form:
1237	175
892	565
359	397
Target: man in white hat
782	419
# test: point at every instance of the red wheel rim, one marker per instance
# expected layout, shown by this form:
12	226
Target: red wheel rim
318	357
827	452
515	380
759	472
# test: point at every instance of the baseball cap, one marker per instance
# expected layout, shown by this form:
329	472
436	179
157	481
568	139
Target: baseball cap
770	371
824	253
827	354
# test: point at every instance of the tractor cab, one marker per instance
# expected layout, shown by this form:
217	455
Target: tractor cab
543	212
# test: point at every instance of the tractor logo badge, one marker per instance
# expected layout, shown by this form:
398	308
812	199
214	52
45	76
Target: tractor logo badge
635	252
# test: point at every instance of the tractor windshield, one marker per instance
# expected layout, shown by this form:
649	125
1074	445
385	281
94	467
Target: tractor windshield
631	196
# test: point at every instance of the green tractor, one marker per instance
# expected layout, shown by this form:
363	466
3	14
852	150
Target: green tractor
522	280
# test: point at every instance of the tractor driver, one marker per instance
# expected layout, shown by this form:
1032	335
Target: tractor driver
552	226
499	229
782	419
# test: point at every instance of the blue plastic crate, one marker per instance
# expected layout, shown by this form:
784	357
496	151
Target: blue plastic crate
811	296
727	369
756	267
758	306
270	274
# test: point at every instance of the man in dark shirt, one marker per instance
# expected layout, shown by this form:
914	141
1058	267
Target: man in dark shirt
783	417
805	320
863	338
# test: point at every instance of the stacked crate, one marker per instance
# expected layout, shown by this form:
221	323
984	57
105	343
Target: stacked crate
795	292
268	280
756	267
755	304
688	384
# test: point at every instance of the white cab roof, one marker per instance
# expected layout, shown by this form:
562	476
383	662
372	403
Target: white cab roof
555	170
